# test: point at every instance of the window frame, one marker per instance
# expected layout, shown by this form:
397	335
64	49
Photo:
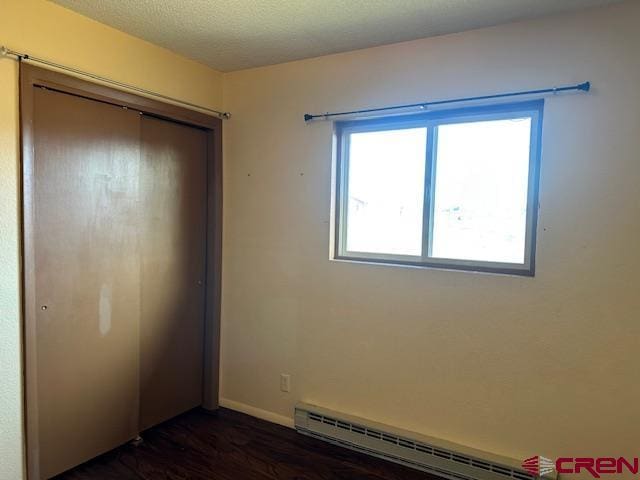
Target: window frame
431	120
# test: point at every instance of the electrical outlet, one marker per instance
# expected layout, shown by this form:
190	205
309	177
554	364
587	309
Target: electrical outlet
285	382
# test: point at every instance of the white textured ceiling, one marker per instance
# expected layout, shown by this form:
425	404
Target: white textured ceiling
235	34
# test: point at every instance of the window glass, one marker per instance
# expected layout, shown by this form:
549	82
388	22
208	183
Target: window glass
386	191
481	186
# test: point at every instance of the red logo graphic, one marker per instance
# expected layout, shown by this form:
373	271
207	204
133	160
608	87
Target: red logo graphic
538	465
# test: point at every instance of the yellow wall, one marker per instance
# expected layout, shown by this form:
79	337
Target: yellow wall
518	366
43	29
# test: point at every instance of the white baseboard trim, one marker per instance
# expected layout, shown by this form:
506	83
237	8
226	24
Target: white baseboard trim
257	412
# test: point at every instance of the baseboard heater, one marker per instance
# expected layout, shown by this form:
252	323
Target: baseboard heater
432	455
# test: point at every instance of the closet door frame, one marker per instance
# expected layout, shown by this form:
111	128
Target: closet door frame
32	77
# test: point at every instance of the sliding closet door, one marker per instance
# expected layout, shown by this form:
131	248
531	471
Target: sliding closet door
173	237
86	255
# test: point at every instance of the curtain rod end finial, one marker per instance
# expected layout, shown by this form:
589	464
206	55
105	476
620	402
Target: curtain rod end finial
307	117
585	87
4	51
225	115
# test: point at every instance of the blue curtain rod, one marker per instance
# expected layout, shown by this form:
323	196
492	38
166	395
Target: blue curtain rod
584	87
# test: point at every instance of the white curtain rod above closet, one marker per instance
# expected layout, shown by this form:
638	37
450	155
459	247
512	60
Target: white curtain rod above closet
7	52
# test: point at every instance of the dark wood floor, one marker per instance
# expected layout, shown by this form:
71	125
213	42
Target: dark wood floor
228	445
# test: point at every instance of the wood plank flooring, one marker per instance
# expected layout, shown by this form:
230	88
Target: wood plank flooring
228	445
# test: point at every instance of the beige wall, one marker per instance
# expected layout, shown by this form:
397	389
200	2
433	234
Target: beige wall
44	29
518	366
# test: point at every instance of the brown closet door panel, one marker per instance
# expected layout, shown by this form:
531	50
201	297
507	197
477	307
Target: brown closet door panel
174	195
87	266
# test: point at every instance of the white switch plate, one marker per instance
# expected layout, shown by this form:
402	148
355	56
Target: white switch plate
285	382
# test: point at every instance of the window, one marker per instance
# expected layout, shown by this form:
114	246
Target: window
450	189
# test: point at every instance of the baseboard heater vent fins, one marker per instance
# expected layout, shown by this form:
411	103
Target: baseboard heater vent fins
432	455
